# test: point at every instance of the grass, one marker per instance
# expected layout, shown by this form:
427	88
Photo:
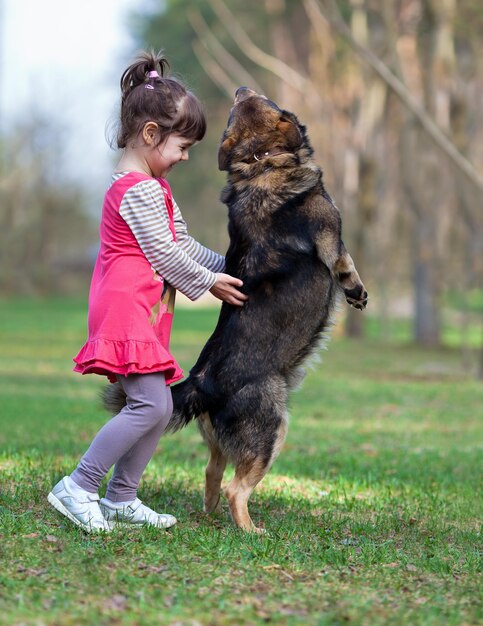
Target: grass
372	509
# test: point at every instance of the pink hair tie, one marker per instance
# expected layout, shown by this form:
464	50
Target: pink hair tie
151	74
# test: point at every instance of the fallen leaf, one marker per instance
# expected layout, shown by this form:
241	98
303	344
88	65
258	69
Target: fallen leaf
287	610
117	602
31	571
157	569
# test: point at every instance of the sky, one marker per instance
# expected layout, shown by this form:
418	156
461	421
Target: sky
64	59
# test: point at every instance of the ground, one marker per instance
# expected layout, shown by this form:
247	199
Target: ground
371	510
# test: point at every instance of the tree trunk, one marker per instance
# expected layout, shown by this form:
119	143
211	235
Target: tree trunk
369	104
435	50
427	322
366	209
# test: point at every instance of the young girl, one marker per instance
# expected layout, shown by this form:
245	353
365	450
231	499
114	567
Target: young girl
145	254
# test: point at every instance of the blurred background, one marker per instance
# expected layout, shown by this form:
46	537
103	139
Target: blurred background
390	91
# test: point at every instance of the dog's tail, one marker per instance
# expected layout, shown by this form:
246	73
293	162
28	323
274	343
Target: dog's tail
187	402
113	398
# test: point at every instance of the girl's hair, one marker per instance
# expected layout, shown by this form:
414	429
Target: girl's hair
161	99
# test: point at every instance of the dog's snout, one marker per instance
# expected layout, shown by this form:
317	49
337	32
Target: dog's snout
242	93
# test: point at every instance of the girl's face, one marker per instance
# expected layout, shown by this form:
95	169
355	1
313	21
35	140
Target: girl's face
163	157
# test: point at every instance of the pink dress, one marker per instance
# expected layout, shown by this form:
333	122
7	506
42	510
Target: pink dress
130	305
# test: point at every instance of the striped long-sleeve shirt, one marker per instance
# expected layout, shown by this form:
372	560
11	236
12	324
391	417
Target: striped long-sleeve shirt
185	264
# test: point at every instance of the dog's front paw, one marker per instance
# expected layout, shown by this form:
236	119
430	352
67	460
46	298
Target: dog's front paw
357	296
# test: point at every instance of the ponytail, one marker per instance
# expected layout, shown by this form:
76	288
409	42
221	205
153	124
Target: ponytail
148	94
138	72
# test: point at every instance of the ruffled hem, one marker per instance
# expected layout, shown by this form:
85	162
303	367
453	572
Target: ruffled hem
109	358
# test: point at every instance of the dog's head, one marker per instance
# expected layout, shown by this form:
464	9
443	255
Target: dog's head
258	133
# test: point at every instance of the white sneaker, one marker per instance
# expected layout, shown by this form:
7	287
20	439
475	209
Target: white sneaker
78	505
135	513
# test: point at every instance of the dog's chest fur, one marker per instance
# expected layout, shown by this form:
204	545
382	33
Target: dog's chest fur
269	224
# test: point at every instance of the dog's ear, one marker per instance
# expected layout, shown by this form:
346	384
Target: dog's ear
223	152
289	128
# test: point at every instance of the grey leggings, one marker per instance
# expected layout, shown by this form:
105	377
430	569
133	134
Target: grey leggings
129	439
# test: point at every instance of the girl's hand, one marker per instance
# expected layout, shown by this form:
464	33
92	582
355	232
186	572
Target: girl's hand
225	288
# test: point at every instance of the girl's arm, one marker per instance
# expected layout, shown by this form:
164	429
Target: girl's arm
204	256
144	210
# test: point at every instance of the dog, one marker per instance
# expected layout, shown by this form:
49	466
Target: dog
286	247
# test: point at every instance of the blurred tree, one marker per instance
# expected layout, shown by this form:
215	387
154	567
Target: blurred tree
411	200
44	229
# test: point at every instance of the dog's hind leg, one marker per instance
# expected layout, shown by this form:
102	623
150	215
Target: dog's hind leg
214	475
215	468
240	489
247	476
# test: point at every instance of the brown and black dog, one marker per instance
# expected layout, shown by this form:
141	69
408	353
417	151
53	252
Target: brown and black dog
285	244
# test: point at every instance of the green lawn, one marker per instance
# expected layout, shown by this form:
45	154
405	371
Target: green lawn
372	508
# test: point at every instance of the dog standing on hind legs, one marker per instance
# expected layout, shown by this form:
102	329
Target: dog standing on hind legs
285	244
